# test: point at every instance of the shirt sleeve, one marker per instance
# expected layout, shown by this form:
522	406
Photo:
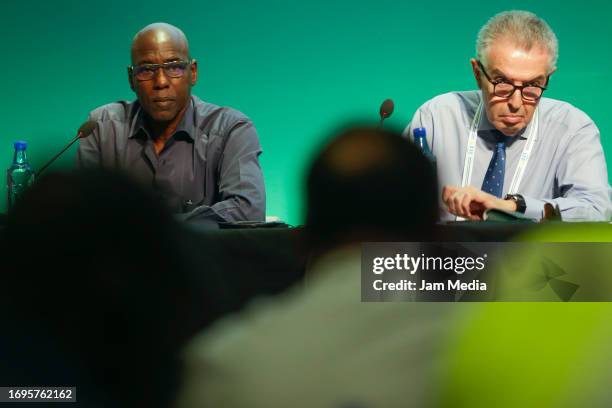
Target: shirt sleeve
241	183
581	181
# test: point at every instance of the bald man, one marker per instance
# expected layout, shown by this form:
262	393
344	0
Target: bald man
202	160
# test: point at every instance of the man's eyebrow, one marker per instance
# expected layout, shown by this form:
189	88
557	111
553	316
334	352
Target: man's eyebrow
536	79
144	62
149	62
497	73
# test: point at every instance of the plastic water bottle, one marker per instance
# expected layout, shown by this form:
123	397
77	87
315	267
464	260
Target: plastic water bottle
420	139
20	175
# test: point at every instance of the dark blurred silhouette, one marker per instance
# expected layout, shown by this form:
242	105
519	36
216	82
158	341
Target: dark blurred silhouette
370	184
94	292
318	345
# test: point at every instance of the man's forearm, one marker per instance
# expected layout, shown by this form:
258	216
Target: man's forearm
230	210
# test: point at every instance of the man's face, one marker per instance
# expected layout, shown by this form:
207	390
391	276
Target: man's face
510	63
162	97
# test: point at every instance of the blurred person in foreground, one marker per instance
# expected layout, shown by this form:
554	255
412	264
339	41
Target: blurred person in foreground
508	147
201	160
318	345
94	293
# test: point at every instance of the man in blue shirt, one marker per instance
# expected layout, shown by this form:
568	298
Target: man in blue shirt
506	146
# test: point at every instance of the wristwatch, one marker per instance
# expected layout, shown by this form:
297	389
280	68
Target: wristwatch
519	200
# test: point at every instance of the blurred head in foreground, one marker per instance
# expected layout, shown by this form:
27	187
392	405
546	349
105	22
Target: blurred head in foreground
94	274
319	342
370	184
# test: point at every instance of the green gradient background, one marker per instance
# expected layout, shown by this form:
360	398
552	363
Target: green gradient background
297	69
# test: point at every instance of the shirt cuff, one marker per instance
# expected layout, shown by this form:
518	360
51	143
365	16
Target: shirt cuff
534	208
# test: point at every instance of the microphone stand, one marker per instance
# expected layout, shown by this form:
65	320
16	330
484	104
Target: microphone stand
50	162
84	131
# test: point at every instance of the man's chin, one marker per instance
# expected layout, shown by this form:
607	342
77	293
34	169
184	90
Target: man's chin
510	130
162	116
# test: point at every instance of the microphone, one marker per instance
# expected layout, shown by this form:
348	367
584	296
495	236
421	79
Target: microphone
386	109
84	131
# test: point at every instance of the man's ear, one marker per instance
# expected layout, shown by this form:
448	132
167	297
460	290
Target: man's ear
131	79
475	70
194	72
552	71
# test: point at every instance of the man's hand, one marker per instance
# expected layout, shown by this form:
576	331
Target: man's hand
471	203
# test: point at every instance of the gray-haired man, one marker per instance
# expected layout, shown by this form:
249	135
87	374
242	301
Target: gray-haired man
507	147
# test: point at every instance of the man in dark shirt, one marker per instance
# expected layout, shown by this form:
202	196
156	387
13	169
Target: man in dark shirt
200	159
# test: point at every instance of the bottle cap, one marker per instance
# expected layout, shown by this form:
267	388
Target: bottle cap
20	145
419	132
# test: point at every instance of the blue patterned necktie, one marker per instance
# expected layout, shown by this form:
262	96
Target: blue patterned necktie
494	179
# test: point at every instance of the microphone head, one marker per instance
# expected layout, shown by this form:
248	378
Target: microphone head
86	129
386	108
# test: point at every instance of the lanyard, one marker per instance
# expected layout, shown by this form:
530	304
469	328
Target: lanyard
471	151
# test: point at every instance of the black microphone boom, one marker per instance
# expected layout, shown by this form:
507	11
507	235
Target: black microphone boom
386	109
84	131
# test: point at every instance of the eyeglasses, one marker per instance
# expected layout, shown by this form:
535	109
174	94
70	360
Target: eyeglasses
146	72
505	89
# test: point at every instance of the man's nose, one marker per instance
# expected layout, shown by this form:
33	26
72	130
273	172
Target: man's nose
516	100
160	80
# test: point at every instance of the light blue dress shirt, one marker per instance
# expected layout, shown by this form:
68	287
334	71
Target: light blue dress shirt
567	166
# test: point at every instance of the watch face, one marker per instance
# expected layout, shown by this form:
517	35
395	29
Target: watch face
518	199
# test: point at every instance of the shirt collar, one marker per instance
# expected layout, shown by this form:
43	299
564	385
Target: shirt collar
186	125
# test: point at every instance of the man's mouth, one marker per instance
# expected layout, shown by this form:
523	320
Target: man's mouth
511	119
163	102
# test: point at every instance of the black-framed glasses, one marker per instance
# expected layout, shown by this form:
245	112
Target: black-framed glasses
146	72
505	89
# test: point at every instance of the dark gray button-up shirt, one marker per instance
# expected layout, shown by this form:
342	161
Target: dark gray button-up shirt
208	170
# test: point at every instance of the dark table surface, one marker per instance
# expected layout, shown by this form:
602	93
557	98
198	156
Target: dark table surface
233	266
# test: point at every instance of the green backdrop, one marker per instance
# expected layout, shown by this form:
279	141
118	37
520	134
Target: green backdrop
298	69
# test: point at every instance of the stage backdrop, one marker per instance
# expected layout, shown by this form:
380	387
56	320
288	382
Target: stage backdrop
298	69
